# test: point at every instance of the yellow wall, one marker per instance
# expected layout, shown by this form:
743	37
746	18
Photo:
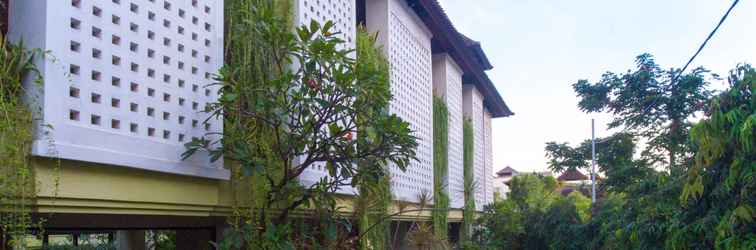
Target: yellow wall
102	189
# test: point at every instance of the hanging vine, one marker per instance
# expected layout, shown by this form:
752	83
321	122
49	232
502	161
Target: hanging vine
468	216
374	200
17	182
440	167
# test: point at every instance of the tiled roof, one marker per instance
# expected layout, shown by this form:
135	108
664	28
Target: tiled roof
472	60
572	175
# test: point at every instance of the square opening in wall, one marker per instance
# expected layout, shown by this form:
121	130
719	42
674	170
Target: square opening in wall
134	128
73	115
73	69
115	124
75	24
96	32
73	92
96	11
96	53
96	98
95	120
115	81
116	60
151	132
115	102
96	75
75	46
133	107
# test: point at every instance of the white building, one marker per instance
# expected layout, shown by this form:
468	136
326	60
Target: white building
125	85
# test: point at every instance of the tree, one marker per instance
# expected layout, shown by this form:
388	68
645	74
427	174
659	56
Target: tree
293	101
653	103
718	198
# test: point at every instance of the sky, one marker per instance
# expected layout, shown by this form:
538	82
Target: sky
539	48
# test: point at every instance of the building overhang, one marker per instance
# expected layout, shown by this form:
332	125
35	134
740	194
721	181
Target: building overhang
472	60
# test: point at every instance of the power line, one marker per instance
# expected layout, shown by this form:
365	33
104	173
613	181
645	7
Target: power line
700	48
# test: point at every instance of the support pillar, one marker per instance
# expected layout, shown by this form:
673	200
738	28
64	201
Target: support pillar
130	240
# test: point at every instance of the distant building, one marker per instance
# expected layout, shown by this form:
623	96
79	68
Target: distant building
501	182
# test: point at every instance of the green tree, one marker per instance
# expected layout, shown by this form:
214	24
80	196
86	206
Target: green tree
653	103
294	99
719	196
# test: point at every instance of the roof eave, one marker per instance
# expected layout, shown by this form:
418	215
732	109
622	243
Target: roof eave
436	20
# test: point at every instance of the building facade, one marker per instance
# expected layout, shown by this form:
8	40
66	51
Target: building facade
127	79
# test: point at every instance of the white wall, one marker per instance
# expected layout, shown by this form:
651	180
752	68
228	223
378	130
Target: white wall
408	45
474	110
447	83
88	98
488	165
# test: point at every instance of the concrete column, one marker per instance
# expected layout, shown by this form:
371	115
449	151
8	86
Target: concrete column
130	240
194	239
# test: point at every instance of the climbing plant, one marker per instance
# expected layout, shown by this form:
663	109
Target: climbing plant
295	99
17	189
440	167
374	199
468	216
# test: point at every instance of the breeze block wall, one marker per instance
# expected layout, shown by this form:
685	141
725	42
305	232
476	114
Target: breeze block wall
488	165
473	110
125	82
447	85
408	45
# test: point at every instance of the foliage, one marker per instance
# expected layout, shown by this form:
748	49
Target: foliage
468	215
374	200
534	216
421	234
440	167
703	200
293	101
652	102
17	187
718	198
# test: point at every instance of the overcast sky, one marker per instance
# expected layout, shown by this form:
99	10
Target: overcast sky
539	48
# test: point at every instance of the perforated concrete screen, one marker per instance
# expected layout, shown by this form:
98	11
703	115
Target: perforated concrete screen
127	80
473	110
412	87
488	166
447	84
341	12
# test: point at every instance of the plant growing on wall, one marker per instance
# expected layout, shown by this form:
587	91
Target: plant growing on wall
17	189
468	216
440	167
374	199
293	100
